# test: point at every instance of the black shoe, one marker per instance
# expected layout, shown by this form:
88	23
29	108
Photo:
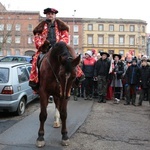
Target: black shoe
127	104
133	104
34	86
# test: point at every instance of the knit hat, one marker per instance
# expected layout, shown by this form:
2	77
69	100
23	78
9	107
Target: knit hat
89	53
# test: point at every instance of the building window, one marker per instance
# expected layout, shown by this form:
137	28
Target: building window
100	39
143	28
90	39
121	28
9	39
90	27
121	40
1	27
131	28
18	27
111	39
101	27
132	40
9	27
17	52
143	40
75	28
1	52
76	40
121	52
111	27
17	39
30	27
1	39
29	39
8	52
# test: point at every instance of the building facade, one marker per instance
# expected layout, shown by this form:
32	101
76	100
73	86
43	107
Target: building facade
115	35
109	35
16	32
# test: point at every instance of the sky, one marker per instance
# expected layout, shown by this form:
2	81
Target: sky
125	9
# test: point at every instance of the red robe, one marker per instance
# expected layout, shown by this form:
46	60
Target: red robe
40	36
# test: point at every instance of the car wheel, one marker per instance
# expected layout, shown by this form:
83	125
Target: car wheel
21	107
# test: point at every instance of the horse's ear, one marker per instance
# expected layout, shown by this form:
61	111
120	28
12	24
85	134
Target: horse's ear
76	61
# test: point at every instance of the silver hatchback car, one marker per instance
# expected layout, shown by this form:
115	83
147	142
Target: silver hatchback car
15	92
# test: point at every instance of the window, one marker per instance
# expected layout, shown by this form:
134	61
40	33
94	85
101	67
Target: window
111	27
121	40
8	52
132	40
75	28
143	40
9	39
131	28
18	27
17	51
4	75
1	52
90	39
1	27
17	39
30	27
90	27
111	39
22	74
143	28
100	39
1	39
100	27
76	40
9	27
121	28
121	52
29	39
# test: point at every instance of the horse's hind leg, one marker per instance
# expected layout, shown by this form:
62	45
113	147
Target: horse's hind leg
57	122
40	142
63	116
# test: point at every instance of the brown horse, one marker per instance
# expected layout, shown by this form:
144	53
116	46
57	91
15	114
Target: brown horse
57	73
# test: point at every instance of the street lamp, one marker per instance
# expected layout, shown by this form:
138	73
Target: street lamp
73	29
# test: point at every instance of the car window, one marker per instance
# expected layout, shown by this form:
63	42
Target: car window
4	75
21	59
29	69
22	74
7	59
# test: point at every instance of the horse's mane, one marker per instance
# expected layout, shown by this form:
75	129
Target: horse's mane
60	52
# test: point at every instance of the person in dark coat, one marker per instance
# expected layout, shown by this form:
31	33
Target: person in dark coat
144	81
88	69
132	81
117	77
101	72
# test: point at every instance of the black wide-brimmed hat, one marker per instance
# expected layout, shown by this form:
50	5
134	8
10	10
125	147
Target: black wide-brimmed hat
47	10
101	53
114	55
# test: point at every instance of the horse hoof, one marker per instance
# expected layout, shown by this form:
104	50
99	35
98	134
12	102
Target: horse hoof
56	125
40	144
65	142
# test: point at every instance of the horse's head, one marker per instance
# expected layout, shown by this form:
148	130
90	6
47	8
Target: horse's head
60	53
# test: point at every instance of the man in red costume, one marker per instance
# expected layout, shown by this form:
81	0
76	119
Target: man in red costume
52	31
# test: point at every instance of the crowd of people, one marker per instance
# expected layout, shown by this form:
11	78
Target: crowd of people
114	77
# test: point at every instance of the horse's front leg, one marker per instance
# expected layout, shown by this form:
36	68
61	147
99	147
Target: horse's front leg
40	142
63	116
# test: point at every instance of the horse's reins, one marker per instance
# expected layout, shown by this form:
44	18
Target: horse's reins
53	70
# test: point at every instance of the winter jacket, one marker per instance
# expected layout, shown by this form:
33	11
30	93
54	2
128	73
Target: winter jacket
145	76
132	75
88	66
102	67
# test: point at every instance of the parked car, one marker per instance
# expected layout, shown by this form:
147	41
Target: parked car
15	92
16	58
